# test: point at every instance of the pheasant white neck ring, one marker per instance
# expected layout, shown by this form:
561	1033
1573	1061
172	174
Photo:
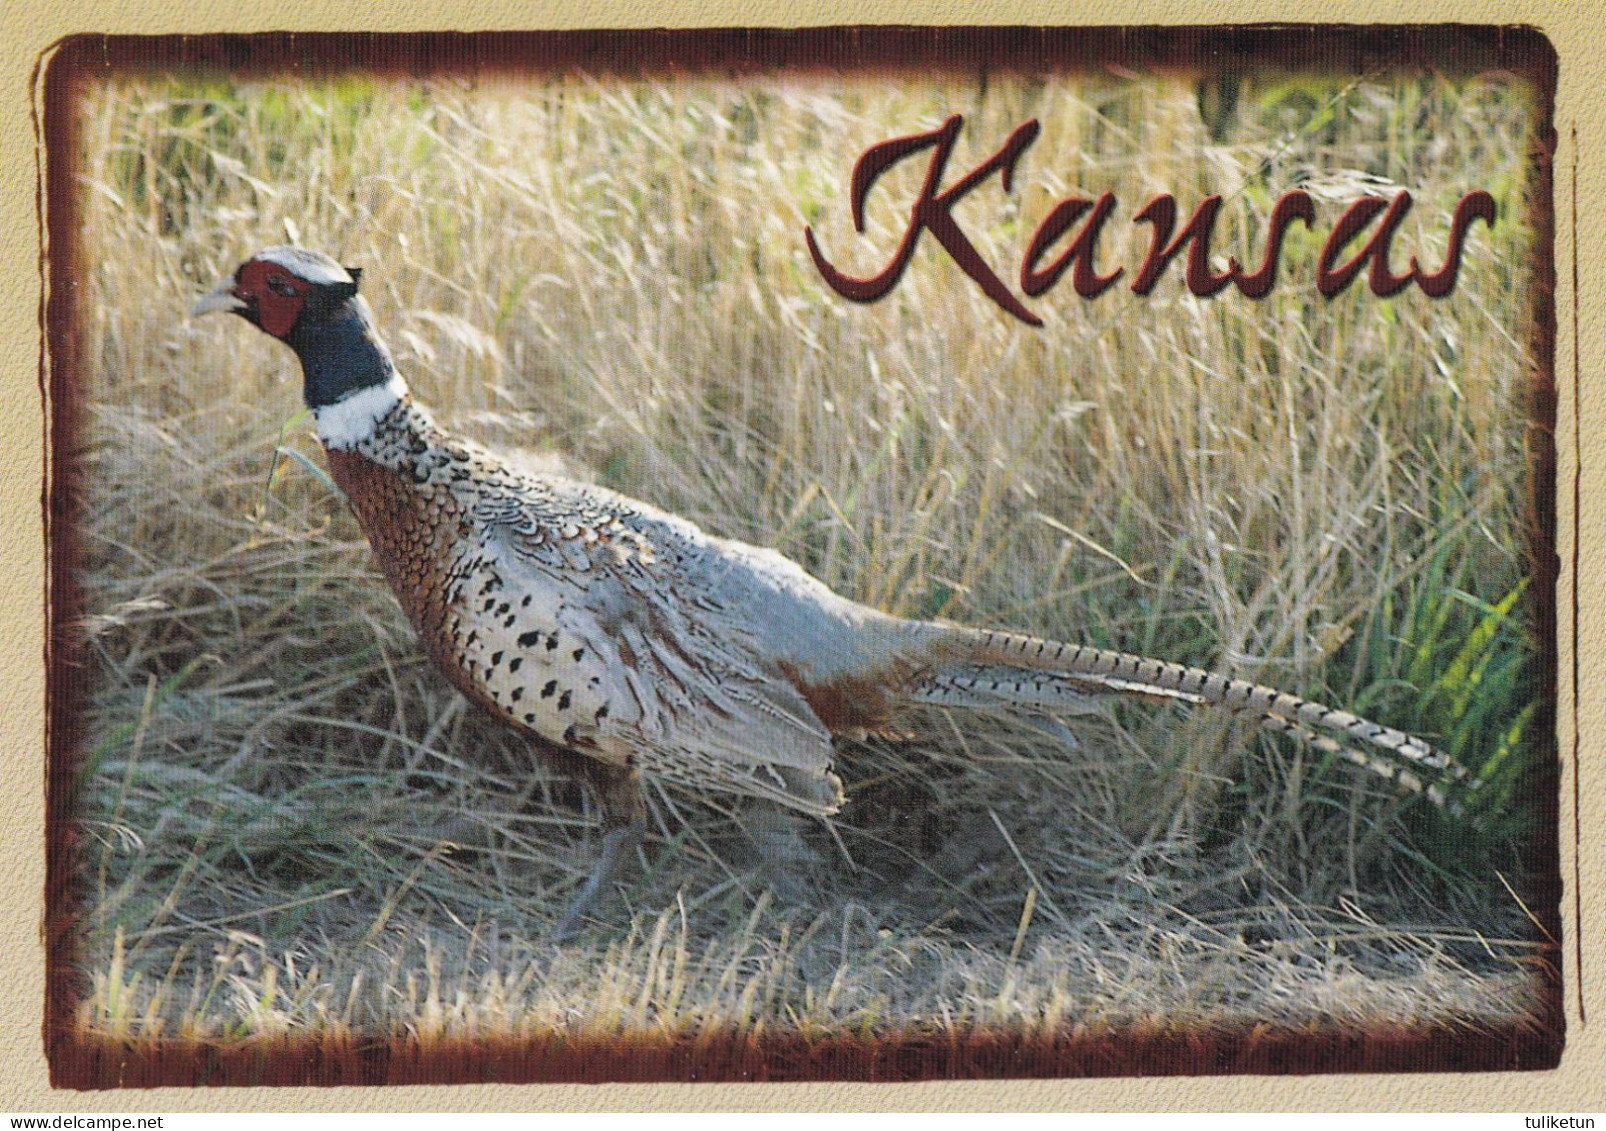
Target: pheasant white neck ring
351	420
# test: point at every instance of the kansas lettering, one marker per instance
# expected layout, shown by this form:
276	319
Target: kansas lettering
1079	222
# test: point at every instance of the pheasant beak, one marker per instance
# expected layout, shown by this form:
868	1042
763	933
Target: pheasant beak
220	297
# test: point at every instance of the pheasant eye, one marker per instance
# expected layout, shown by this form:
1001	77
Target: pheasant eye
281	286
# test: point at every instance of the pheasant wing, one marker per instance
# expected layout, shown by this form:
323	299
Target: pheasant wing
635	660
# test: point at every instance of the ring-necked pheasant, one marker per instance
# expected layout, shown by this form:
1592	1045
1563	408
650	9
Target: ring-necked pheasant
623	641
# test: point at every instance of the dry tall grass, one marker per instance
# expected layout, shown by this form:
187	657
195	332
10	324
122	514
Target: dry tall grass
1318	495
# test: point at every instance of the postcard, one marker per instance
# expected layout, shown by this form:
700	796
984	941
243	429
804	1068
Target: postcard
839	554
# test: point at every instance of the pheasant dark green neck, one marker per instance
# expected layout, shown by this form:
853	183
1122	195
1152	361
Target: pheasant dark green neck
340	354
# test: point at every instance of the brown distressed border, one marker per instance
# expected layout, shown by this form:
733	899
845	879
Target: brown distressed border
76	1063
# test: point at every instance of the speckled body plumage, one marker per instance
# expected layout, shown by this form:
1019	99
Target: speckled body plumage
624	641
601	625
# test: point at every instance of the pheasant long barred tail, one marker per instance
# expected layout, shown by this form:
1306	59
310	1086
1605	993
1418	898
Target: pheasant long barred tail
1012	667
1405	778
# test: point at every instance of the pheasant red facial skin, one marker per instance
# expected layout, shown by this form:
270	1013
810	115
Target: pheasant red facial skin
272	294
622	641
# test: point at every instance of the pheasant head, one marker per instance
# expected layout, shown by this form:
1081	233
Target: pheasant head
310	302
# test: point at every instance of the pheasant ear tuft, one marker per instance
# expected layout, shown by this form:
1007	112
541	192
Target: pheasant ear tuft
356	276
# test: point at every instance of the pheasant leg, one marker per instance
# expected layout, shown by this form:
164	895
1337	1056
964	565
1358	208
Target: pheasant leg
624	821
616	845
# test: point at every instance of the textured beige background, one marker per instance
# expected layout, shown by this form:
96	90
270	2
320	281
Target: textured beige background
28	27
